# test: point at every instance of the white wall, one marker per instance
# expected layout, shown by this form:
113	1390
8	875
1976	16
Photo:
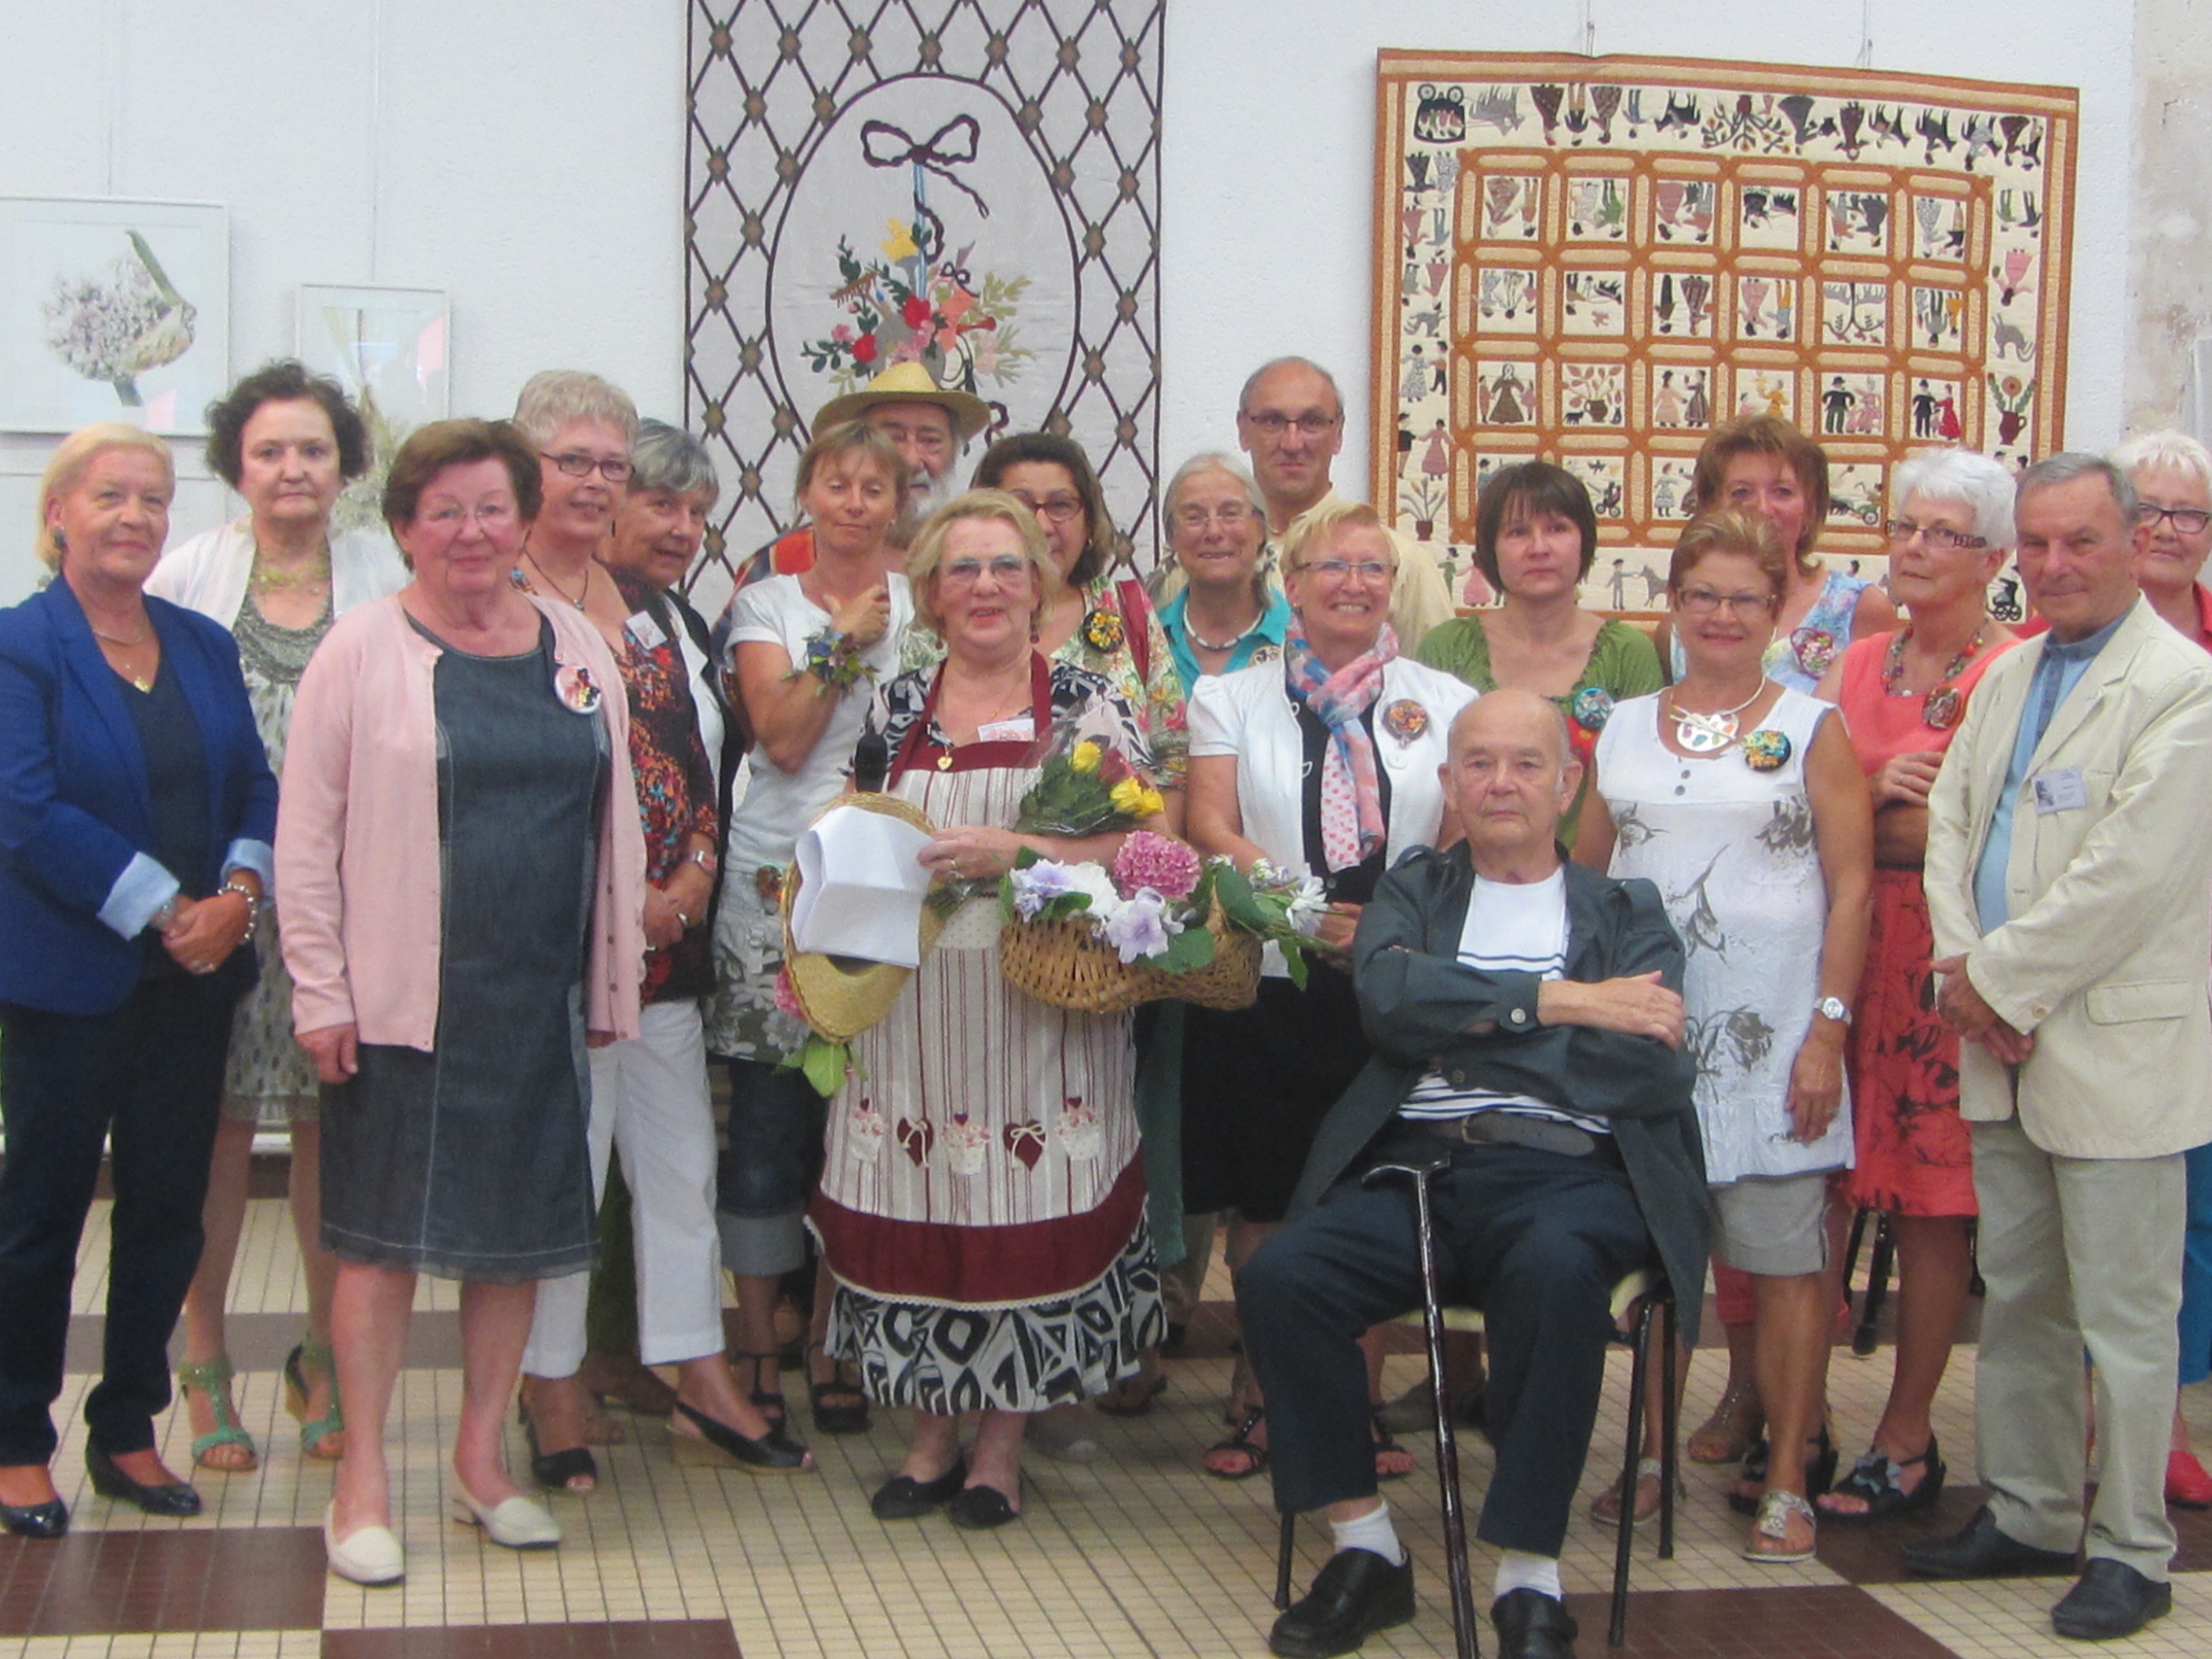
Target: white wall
527	154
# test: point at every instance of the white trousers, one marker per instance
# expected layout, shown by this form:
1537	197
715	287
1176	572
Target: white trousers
649	1101
2077	1252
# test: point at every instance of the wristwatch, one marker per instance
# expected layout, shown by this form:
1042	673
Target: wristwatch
1833	1008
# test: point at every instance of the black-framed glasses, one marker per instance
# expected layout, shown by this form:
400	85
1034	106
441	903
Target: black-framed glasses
1312	423
1940	537
2189	521
615	469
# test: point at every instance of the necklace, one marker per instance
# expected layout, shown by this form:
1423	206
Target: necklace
269	580
1708	734
145	633
577	601
1231	644
1940	707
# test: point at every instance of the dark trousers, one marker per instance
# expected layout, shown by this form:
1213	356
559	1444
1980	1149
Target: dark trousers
1535	1239
150	1077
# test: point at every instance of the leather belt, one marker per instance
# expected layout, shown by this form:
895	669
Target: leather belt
1501	1128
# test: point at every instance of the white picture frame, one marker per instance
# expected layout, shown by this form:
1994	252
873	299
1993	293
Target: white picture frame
113	308
390	346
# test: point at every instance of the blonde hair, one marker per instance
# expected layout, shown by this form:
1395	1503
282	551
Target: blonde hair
552	398
1321	529
990	506
75	453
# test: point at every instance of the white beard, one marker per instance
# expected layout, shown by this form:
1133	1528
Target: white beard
920	505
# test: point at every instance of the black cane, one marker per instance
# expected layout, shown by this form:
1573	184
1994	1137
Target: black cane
1464	1631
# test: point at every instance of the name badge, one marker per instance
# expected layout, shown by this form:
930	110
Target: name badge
1020	729
2061	791
646	631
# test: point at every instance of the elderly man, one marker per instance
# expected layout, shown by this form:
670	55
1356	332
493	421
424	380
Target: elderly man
1528	1025
2069	884
932	428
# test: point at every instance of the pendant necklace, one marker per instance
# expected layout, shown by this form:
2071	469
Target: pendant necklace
1708	734
1940	708
555	586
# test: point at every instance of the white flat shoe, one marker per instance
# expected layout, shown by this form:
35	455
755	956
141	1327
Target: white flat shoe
370	1556
515	1522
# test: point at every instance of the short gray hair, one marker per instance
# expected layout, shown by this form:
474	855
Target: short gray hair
2148	451
554	397
1213	460
1244	397
1982	486
668	458
2069	465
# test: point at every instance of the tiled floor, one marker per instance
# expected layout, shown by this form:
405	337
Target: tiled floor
1136	1553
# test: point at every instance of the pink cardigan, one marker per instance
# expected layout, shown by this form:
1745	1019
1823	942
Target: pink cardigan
357	856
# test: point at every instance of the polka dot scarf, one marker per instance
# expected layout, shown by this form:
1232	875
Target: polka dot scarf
1352	829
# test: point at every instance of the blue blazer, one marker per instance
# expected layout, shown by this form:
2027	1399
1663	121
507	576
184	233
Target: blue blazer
74	808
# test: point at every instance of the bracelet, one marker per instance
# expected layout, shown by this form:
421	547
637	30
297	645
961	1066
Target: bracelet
705	858
165	917
233	885
834	658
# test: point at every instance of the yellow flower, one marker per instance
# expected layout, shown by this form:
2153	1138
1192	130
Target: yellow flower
1083	757
1132	798
900	244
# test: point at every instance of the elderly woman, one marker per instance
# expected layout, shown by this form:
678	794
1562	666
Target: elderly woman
1535	536
807	651
287	441
460	859
136	808
1902	695
991	1253
649	1095
1742	802
1325	763
1227	616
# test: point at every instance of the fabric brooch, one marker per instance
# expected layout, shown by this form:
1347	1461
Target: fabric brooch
1103	631
1405	719
1592	707
1939	709
573	685
1815	649
1766	749
767	882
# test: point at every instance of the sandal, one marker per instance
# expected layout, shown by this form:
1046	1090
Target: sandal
557	1471
767	1401
1240	1445
1392	1461
1605	1507
1734	1426
1874	1481
212	1379
1745	1497
1769	1544
1133	1396
324	1437
839	1407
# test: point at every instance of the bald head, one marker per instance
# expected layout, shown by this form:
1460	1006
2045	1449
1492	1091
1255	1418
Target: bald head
1511	774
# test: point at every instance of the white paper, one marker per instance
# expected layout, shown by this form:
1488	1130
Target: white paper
861	887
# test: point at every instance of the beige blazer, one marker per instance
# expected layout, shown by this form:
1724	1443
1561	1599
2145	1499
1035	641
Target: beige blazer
2105	957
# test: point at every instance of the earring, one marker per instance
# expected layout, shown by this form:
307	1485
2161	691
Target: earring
61	542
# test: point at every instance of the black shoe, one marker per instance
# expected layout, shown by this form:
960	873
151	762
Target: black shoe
1982	1552
2110	1599
1356	1594
555	1470
1531	1625
172	1501
773	1453
46	1520
979	1509
902	1497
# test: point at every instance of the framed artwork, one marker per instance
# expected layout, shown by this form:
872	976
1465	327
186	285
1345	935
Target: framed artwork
1598	260
391	349
113	309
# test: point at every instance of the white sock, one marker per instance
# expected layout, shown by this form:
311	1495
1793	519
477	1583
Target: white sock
1373	1531
1518	1570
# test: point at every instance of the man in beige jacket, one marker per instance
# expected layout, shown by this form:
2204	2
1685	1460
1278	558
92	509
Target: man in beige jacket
2069	884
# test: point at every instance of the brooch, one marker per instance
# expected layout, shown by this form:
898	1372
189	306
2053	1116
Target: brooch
1941	708
1405	719
1815	649
576	688
1766	749
1101	630
767	882
1592	707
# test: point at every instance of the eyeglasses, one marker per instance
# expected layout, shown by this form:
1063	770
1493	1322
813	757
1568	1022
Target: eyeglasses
1052	509
1942	537
965	573
1703	601
1229	515
492	515
2189	521
1373	570
1275	423
615	469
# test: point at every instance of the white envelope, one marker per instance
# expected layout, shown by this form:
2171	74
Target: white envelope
861	887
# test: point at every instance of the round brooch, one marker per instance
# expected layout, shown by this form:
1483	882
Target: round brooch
1592	707
576	688
1815	649
1939	710
1101	630
767	883
1766	749
1405	719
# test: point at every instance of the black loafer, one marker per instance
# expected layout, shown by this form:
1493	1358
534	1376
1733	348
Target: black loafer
1982	1552
1531	1626
174	1500
979	1509
46	1520
2110	1599
902	1497
1356	1594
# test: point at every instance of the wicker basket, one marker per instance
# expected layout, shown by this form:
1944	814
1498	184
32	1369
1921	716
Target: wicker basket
1065	964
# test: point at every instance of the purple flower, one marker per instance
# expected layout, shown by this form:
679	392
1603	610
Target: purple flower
1141	927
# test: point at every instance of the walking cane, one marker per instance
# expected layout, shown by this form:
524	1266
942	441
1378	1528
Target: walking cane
1464	1630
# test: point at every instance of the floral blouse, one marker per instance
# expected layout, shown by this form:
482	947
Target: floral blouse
1088	699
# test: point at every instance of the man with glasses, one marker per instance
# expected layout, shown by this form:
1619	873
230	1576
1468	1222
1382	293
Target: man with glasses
2070	887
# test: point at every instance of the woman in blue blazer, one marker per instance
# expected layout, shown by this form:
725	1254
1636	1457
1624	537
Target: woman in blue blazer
136	809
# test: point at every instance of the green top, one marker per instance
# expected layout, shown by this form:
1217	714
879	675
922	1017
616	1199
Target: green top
1622	663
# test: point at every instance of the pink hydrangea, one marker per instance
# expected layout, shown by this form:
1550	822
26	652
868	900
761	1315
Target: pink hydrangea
1170	867
786	995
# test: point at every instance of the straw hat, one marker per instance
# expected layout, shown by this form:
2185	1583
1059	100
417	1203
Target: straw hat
842	996
906	383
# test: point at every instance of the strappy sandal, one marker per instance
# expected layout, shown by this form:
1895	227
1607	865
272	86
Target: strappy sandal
324	1437
1874	1481
768	1402
1745	1497
1734	1426
557	1471
839	1407
1606	1506
1241	1444
211	1379
1392	1461
1769	1544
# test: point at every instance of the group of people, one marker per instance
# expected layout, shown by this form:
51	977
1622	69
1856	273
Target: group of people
1662	948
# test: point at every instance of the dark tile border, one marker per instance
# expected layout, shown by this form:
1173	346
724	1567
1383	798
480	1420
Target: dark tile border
693	1639
209	1579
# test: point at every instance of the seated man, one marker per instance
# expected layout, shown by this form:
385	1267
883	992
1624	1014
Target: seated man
1527	1025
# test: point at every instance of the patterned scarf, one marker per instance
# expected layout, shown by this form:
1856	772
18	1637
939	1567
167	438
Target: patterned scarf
1352	829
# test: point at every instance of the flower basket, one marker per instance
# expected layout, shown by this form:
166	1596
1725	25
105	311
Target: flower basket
1064	962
